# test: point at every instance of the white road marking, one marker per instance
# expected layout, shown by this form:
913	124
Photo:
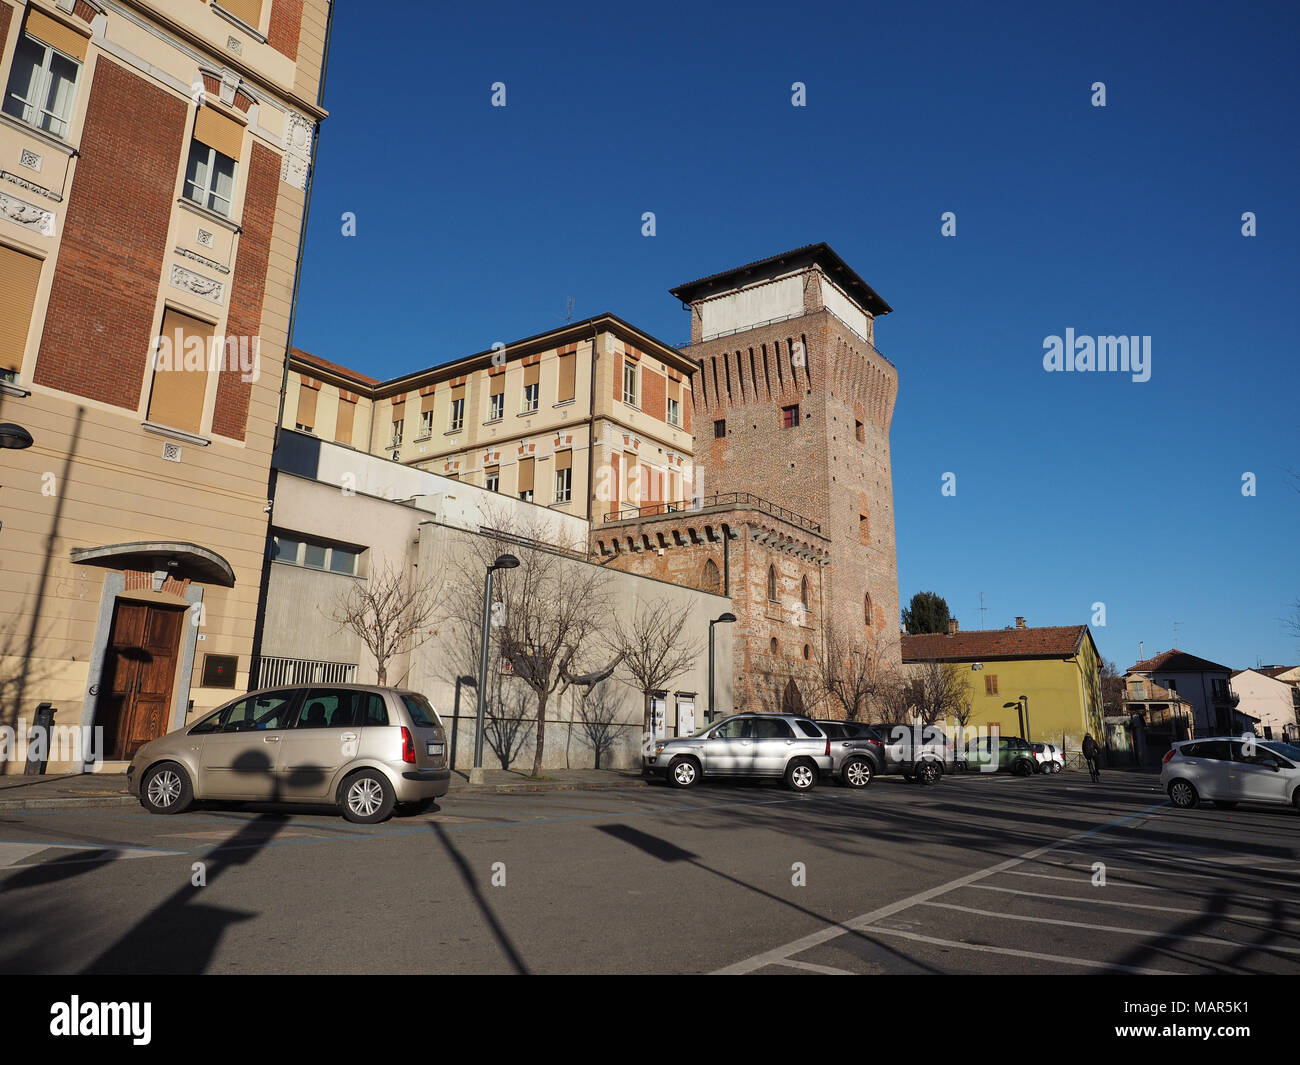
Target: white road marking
1153	934
1126	905
1059	959
857	924
1113	881
11	853
808	966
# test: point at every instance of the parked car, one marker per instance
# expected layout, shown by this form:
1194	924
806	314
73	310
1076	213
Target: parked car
1006	754
363	749
1049	757
857	752
782	746
1225	770
919	752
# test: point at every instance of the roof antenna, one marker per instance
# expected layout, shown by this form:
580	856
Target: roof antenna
1176	624
981	610
568	314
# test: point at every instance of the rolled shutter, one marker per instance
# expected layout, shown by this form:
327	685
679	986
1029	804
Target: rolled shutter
532	374
57	35
307	406
176	399
525	475
568	364
564	460
19	276
426	402
498	385
217	131
347	414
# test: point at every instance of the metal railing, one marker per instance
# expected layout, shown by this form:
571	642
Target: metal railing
726	500
275	671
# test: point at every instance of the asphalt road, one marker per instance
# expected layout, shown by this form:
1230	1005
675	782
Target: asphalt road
974	875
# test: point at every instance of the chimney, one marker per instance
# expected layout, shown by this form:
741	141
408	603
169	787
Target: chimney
952	626
1020	623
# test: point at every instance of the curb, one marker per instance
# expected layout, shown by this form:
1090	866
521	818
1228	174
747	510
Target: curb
73	801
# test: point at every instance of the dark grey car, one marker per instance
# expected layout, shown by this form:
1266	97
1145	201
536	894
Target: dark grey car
857	752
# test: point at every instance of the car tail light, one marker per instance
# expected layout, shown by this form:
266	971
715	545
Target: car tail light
1172	751
408	746
828	745
876	743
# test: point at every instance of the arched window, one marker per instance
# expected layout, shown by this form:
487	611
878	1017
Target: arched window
711	581
866	608
791	699
773	645
771	583
803	592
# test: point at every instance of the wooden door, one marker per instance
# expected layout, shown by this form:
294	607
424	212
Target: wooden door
139	670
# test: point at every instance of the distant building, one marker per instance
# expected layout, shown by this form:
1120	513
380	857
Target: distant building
1271	701
1056	667
1204	685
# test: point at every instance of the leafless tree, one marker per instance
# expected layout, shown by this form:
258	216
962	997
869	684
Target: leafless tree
929	692
507	727
852	675
653	648
391	612
547	614
599	723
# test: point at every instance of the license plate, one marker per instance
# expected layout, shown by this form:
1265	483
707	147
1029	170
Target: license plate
435	748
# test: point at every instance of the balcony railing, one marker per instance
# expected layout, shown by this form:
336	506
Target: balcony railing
276	671
726	500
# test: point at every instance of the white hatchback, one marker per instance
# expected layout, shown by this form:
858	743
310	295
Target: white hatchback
1226	770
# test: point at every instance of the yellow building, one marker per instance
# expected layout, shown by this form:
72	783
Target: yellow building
155	160
592	418
1056	668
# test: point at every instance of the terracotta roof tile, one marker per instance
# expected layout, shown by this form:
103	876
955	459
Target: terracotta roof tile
333	367
1176	661
1046	641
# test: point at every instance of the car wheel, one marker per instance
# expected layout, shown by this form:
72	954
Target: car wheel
683	773
166	789
1023	768
1222	805
801	776
929	772
366	798
1183	795
857	773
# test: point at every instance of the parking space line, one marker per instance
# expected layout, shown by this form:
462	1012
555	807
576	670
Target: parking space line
857	924
808	966
1150	933
1060	959
1126	905
1114	881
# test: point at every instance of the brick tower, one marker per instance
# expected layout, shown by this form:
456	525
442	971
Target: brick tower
793	405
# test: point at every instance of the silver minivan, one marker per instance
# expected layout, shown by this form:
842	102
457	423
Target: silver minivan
781	746
362	748
1226	770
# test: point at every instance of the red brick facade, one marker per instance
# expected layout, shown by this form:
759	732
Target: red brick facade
654	394
230	416
101	306
286	27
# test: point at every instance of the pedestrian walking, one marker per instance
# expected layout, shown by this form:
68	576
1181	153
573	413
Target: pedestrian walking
1092	752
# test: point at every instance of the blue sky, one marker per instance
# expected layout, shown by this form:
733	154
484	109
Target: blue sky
477	224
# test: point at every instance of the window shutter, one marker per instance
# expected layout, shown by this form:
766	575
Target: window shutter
532	374
457	392
247	11
426	402
57	35
217	131
177	396
347	413
307	406
674	390
525	475
564	460
498	385
568	364
19	276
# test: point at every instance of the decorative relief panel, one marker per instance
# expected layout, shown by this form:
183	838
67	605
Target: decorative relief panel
204	287
298	133
26	214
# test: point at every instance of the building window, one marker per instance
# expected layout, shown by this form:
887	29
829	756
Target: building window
629	383
712	579
426	423
807	652
720	428
771	583
210	179
492	479
563	485
525	483
309	555
496	406
457	415
773	646
803	592
396	439
859	434
531	393
790	416
864	529
866	608
674	411
43	85
990	684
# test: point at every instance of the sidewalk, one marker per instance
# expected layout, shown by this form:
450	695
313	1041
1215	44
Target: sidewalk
109	789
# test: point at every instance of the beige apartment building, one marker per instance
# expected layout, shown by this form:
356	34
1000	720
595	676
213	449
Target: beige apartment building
592	418
155	160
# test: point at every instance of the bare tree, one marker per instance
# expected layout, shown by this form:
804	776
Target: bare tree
653	648
598	725
547	611
507	727
930	692
852	676
391	612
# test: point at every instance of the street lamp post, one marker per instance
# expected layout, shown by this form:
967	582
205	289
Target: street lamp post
726	619
1029	732
1019	713
502	562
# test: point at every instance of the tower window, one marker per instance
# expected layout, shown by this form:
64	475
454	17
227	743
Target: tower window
866	608
771	583
773	645
859	433
712	579
803	593
790	416
720	428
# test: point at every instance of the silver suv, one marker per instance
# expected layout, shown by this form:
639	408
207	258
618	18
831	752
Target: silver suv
363	749
783	746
